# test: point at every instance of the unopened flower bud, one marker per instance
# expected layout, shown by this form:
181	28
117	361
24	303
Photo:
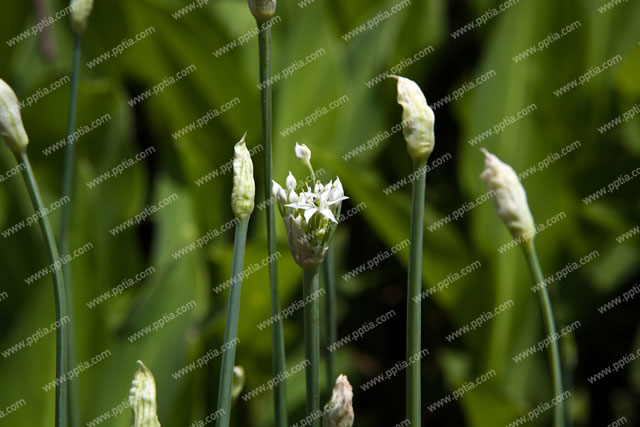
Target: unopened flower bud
80	11
278	192
142	398
417	119
293	197
244	187
339	410
303	154
237	382
262	10
291	182
11	127
510	199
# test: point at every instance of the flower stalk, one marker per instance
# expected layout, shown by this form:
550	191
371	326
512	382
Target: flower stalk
417	126
242	203
14	135
312	340
511	205
328	269
80	12
550	329
59	291
263	11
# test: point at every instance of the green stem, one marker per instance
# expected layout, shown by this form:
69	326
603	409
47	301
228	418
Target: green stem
414	286
330	315
67	191
279	364
550	327
312	341
231	330
60	298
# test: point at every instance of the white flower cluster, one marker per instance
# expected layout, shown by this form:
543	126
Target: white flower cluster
309	217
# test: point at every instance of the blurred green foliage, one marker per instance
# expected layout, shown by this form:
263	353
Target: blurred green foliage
344	69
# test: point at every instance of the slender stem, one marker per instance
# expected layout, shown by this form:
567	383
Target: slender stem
414	286
330	314
67	191
312	341
550	327
279	364
231	330
62	333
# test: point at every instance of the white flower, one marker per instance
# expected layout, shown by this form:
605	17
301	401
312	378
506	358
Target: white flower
11	127
510	199
417	119
339	410
303	154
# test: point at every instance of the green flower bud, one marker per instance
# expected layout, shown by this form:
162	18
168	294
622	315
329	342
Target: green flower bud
80	11
262	10
417	119
11	127
244	186
339	410
142	398
510	199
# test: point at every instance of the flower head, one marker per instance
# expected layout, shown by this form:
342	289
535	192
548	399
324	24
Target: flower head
310	218
244	187
80	11
510	199
417	119
338	412
11	127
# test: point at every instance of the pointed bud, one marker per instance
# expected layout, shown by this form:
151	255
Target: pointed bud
244	187
237	382
293	197
142	398
510	199
417	119
262	10
303	154
278	192
291	182
80	11
338	412
11	127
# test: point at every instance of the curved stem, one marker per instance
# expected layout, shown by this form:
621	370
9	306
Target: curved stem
279	364
60	298
312	342
414	286
231	330
330	315
550	327
67	191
